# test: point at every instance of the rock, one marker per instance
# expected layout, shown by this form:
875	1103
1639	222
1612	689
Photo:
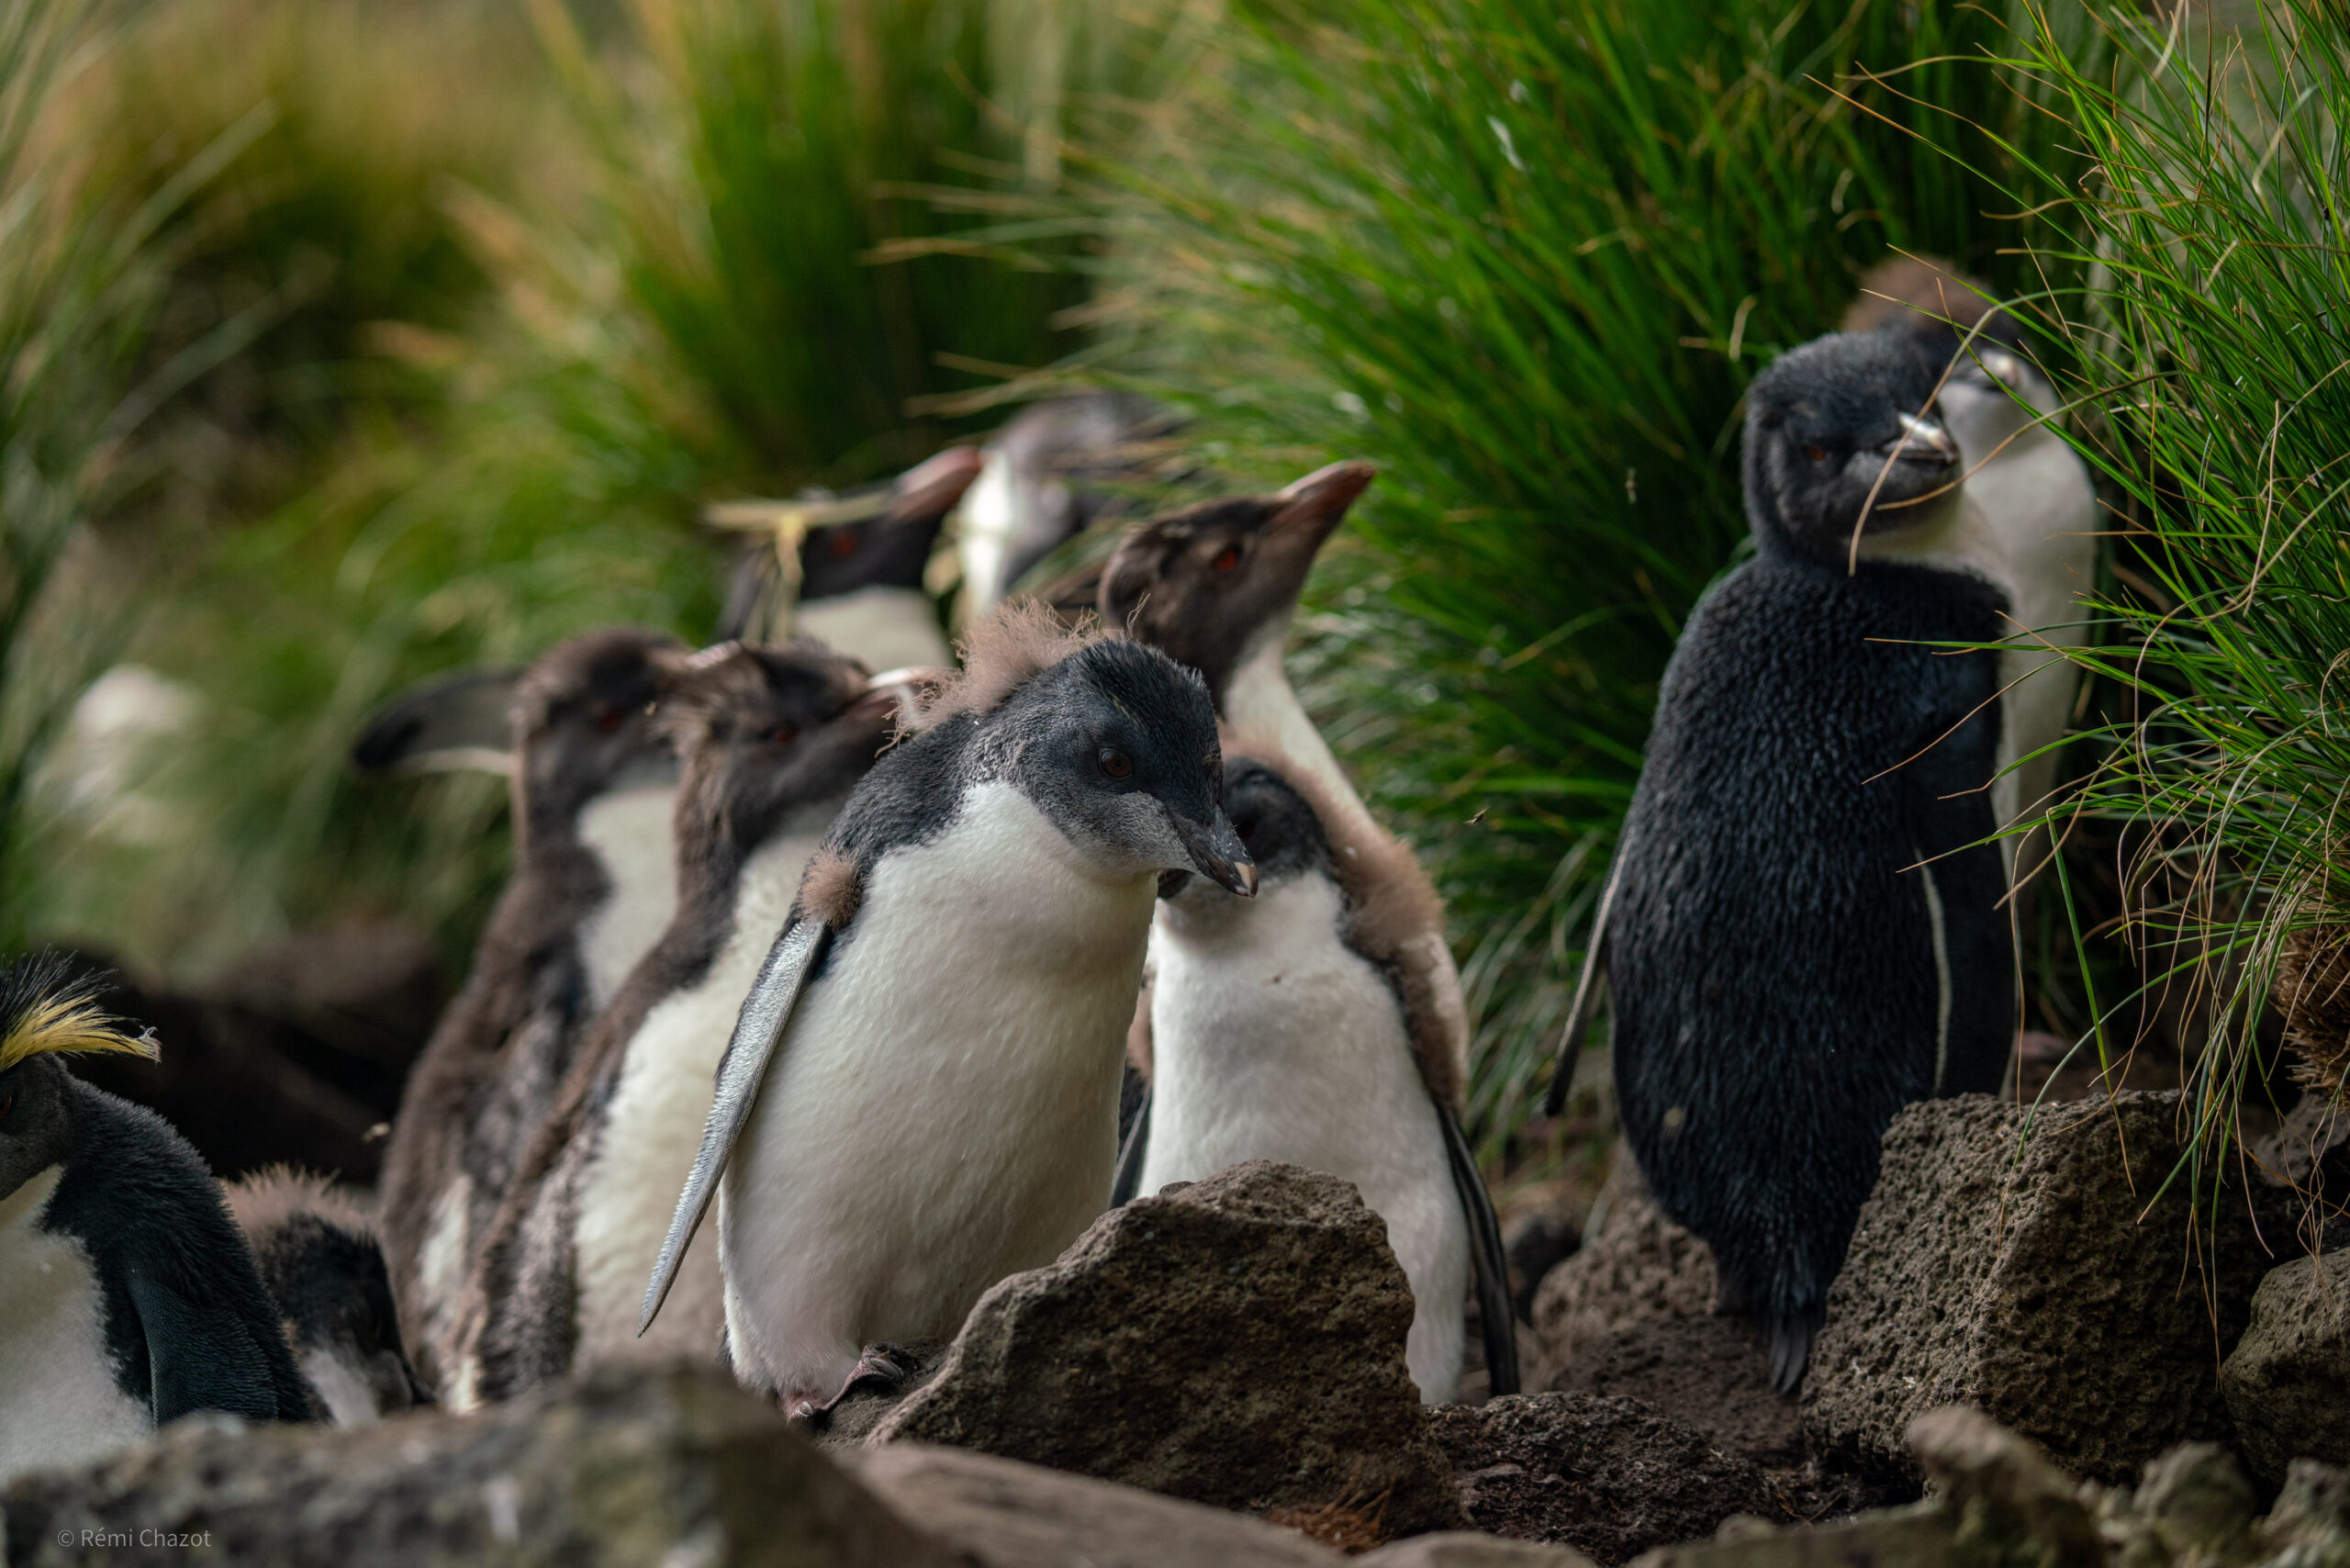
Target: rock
1609	1478
2288	1382
2027	1285
633	1468
2310	1526
1236	1342
1005	1514
2197	1505
1466	1549
2001	1493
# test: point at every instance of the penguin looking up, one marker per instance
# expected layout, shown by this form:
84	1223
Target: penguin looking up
854	579
1281	1027
925	1080
593	786
321	1264
128	1298
772	740
1802	931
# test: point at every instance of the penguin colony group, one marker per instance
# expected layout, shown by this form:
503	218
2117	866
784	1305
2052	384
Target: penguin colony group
808	1010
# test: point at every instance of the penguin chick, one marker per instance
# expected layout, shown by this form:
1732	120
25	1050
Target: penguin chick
1045	482
593	787
1822	756
860	578
939	1025
128	1298
1281	1029
771	741
320	1262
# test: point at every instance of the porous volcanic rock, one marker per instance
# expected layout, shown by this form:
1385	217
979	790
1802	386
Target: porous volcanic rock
2288	1382
2018	1277
1236	1342
629	1468
1609	1478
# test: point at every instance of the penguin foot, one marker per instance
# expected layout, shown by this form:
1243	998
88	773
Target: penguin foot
881	1368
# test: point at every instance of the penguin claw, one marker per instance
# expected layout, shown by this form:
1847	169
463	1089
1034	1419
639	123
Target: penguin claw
881	1368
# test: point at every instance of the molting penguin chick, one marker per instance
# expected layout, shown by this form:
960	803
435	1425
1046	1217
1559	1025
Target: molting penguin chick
1287	1027
128	1298
772	740
594	783
1798	937
924	1080
320	1261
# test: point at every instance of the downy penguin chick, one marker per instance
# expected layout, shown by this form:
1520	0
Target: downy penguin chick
321	1264
128	1298
939	1025
1804	934
1279	1031
1047	479
772	740
594	784
860	578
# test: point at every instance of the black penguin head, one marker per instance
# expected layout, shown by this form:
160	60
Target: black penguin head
1116	744
763	731
891	549
46	1013
583	720
1276	824
1208	583
323	1266
1840	440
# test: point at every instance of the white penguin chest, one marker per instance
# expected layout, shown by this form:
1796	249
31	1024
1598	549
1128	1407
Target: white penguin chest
889	628
59	1401
651	1128
630	832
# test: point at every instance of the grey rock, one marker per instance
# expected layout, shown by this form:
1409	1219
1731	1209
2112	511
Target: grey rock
2287	1381
1609	1478
2310	1526
634	1468
1466	1549
1236	1342
2027	1285
1005	1514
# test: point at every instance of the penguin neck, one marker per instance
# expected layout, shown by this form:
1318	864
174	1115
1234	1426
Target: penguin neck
1261	711
886	627
717	866
628	834
1957	537
21	1211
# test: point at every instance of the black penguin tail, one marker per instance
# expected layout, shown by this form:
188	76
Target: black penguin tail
1792	1331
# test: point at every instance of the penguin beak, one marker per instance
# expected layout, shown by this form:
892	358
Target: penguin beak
1316	504
932	489
1216	851
1922	441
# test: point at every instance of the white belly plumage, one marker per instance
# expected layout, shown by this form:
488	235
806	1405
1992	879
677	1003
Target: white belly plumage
60	1404
651	1128
942	1110
888	628
629	832
1272	1040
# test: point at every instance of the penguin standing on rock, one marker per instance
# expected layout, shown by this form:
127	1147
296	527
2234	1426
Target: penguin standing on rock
128	1298
772	740
594	783
1802	932
924	1080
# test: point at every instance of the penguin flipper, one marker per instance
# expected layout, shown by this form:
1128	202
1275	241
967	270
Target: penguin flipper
1130	1154
202	1356
774	997
1488	1262
1586	1004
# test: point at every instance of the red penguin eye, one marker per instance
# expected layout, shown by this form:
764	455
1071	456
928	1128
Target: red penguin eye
784	734
1226	558
1816	452
7	1103
843	544
1115	763
608	718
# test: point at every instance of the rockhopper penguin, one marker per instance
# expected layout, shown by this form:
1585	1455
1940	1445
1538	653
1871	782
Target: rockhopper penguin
128	1298
1215	585
925	1080
1802	931
1047	477
594	783
320	1262
772	740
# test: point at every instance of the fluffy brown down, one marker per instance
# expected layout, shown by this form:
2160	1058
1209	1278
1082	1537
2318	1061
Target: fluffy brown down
1000	654
2314	990
831	889
266	1200
1906	283
1394	910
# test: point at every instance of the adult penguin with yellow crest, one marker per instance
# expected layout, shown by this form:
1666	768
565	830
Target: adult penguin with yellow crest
128	1297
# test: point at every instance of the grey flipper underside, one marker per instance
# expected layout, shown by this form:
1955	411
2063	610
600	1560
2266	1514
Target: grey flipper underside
1488	1261
1594	976
1130	1154
783	979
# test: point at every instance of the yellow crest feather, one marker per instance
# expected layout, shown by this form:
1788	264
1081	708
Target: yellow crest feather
68	1019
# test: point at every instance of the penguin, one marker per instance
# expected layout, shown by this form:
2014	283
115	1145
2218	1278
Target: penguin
594	781
128	1298
321	1264
921	1095
1802	930
853	577
1048	475
771	742
1279	1030
1215	585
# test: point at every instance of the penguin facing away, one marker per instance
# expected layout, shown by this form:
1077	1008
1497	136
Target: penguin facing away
924	1080
321	1264
772	740
1802	926
1044	482
593	785
128	1298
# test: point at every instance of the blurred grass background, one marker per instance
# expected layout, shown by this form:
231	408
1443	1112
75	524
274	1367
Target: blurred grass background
449	318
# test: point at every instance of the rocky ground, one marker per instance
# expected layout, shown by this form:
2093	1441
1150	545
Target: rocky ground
2038	1345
